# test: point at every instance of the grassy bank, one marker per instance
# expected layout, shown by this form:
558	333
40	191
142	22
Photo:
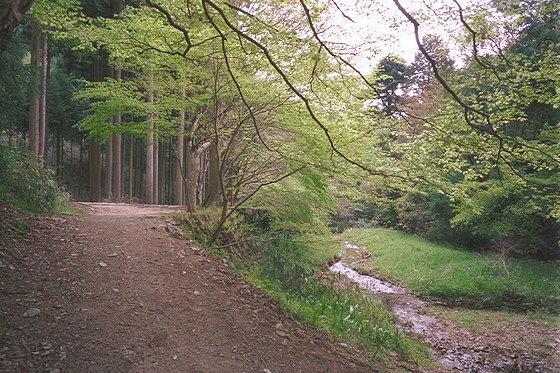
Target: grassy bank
458	276
287	269
26	185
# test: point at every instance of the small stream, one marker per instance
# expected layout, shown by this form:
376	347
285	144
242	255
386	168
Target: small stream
457	348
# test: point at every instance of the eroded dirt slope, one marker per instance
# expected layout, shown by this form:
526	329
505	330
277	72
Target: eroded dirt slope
118	289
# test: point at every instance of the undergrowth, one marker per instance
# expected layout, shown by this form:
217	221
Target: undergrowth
286	269
27	186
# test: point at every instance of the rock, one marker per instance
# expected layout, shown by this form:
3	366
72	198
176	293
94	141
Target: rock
282	334
56	370
32	312
102	264
266	370
115	290
196	292
112	255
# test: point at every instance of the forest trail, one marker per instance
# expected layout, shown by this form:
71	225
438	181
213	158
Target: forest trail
119	289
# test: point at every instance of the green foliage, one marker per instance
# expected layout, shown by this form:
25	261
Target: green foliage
459	276
25	185
513	219
108	99
301	203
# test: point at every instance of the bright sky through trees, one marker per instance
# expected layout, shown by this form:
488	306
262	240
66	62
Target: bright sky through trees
377	28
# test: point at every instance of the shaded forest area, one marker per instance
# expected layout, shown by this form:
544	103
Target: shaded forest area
258	107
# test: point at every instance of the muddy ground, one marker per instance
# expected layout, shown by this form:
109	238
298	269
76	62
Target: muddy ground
119	289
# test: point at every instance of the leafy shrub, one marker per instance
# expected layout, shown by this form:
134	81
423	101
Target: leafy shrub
512	219
506	219
25	185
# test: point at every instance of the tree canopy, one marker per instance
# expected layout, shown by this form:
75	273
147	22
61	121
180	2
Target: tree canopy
260	106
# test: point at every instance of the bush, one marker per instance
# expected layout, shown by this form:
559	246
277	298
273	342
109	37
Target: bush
508	220
25	185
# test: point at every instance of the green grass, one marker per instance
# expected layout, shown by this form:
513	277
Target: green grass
285	270
484	321
456	275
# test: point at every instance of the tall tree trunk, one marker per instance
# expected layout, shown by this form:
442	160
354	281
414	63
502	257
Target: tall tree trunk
80	166
130	166
117	156
34	114
59	150
213	193
178	188
156	167
117	165
170	168
94	157
94	152
46	133
150	146
43	103
109	167
193	171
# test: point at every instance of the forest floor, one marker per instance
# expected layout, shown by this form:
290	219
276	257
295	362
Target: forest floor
118	288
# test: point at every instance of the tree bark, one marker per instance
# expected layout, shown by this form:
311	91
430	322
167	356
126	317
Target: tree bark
150	147
94	152
213	193
156	167
11	15
43	103
117	156
109	167
130	167
94	157
178	188
193	171
117	165
34	114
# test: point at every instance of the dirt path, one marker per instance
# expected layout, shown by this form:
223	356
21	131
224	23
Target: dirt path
520	346
118	289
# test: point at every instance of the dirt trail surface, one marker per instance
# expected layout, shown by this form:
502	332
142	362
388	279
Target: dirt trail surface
119	289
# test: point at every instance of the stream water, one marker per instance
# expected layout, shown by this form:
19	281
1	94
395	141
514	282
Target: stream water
457	348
